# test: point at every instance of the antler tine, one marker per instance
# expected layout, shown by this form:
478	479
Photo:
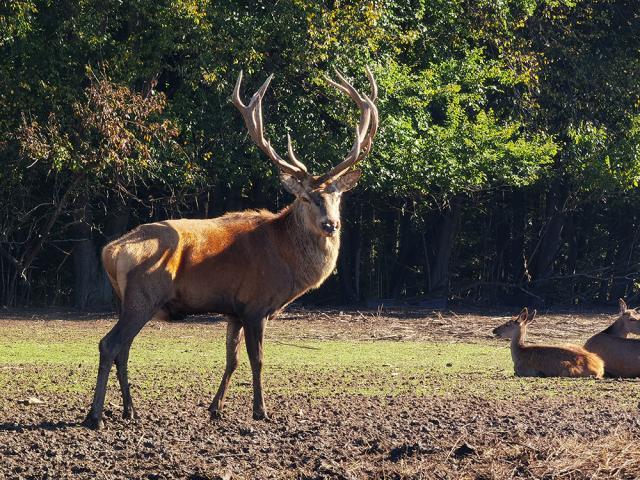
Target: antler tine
359	99
374	85
336	85
256	111
292	155
235	98
366	129
368	141
252	115
366	147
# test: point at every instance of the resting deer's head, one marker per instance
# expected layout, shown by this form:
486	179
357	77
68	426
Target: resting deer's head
514	327
319	195
629	318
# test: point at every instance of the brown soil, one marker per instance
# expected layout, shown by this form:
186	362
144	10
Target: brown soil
345	436
420	325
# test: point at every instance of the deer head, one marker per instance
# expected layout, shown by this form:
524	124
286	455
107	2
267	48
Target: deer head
319	195
629	318
512	328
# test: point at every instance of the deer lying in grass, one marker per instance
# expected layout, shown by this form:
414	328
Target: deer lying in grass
621	355
248	265
546	360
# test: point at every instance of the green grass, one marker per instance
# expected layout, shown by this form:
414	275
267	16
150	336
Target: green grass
54	359
197	350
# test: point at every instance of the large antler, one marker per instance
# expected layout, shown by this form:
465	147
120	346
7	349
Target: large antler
365	132
252	114
367	126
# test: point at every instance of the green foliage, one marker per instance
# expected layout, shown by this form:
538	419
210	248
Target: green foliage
600	161
478	101
15	19
442	139
112	136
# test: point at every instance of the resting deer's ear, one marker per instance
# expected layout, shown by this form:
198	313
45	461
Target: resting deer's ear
531	318
346	182
622	305
523	315
292	185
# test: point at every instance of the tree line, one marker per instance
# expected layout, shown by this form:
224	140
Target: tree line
506	168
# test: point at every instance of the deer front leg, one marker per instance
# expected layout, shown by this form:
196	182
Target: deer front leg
254	335
234	337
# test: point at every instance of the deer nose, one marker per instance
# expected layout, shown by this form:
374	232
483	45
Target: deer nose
330	226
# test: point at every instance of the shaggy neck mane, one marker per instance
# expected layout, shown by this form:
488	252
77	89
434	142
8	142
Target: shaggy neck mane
311	255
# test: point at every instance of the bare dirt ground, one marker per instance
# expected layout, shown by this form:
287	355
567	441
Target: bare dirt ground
335	436
353	324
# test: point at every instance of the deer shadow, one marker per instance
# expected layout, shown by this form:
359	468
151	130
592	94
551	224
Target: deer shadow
29	427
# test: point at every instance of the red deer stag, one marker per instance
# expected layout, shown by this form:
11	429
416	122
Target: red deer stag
248	265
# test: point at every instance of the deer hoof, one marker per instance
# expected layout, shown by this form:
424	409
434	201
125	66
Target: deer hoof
215	414
129	414
92	422
260	415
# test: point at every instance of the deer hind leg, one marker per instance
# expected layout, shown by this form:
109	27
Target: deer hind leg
254	336
234	337
122	366
111	346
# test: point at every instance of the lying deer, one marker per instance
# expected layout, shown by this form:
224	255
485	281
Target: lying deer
248	265
546	360
621	355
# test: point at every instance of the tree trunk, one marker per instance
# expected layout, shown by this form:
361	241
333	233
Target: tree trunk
572	256
85	260
446	237
357	256
622	285
404	244
551	236
23	263
517	268
346	260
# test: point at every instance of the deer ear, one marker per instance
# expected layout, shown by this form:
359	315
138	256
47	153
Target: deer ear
346	182
622	305
292	184
532	317
523	315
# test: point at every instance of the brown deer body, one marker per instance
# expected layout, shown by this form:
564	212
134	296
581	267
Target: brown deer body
546	360
248	265
621	355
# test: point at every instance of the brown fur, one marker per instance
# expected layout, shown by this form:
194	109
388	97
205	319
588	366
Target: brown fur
243	263
621	355
546	360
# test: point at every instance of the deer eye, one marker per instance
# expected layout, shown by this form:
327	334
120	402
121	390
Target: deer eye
317	201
